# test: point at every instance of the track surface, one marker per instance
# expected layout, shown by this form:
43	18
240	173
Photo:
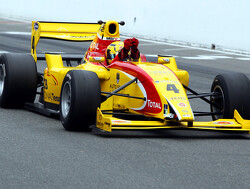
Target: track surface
36	152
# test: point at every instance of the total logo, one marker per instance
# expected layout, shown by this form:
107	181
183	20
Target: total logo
182	104
152	104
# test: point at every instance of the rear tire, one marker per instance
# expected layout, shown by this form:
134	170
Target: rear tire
18	79
234	91
80	97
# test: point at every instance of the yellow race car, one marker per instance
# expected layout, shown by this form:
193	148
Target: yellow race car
115	95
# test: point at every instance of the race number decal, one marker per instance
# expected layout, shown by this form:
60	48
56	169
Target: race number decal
172	87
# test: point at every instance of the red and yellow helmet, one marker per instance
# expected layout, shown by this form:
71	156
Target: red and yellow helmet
113	49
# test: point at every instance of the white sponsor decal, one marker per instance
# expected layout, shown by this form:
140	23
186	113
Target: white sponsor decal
223	122
120	121
170	116
97	58
36	26
186	115
178	98
166	59
168	81
154	104
108	38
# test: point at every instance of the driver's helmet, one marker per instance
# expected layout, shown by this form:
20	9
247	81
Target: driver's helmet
113	49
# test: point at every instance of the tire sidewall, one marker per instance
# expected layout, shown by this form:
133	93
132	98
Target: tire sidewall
3	61
85	98
20	81
66	119
236	90
220	84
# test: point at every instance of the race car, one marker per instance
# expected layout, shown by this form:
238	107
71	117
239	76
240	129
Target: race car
119	95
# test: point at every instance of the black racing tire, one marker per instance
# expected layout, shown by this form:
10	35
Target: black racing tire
18	79
80	97
234	91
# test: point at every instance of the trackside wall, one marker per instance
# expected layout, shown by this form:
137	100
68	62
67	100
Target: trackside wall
224	23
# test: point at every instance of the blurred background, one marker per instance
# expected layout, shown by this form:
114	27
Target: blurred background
209	23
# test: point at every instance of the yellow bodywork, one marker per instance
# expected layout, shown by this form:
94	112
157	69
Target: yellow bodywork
63	31
166	76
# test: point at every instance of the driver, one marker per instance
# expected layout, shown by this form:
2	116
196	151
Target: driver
119	51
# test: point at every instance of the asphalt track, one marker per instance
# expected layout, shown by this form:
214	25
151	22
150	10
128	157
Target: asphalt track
36	152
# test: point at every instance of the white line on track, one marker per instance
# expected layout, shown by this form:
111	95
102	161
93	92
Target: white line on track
54	52
145	44
207	57
16	33
179	49
243	58
151	55
16	19
202	57
154	55
3	52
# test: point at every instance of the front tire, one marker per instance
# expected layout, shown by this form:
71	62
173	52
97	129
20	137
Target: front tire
233	91
80	97
18	79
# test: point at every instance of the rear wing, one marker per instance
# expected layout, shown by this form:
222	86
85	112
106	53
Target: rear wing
63	31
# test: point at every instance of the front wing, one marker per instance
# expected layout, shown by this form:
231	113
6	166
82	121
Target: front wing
108	123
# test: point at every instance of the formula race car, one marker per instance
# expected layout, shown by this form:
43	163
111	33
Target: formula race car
119	95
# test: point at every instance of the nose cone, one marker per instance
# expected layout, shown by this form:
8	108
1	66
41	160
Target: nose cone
173	96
